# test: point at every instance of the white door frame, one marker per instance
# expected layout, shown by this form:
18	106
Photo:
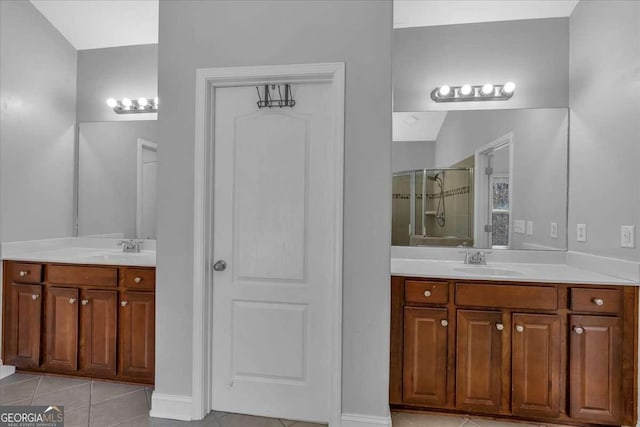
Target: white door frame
143	144
481	195
207	80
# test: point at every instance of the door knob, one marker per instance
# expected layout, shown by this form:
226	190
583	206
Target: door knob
123	303
427	293
519	328
85	301
220	265
499	326
578	330
598	301
444	322
34	296
72	300
23	273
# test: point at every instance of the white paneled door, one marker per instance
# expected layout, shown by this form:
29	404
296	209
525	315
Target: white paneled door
274	209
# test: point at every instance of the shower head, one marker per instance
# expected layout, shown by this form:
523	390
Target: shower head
435	177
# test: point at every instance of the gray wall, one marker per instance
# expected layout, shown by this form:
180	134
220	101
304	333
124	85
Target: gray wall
410	155
605	125
107	184
115	72
38	114
227	33
531	53
540	150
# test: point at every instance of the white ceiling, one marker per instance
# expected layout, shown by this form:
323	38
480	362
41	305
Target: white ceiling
424	13
417	125
93	24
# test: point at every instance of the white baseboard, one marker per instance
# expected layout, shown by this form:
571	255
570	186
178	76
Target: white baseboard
171	406
357	420
6	370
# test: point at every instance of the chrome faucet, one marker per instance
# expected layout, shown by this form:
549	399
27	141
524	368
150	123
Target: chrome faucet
130	245
475	258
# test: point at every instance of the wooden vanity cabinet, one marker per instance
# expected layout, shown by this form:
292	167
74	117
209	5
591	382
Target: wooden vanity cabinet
137	335
22	324
95	321
533	351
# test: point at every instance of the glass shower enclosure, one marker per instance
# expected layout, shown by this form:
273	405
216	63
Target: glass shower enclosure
433	207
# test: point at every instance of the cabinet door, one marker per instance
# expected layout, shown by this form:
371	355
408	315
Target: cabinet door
479	364
595	359
22	328
137	335
535	357
61	329
425	356
98	329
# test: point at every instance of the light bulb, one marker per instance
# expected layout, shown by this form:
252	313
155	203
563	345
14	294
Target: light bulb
112	102
142	102
126	102
465	90
444	90
509	87
487	89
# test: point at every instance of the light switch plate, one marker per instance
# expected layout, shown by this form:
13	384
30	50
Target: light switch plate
518	226
554	230
581	232
529	228
628	236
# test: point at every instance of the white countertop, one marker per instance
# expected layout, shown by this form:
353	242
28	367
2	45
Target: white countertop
78	250
512	271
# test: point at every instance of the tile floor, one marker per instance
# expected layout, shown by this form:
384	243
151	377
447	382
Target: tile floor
103	404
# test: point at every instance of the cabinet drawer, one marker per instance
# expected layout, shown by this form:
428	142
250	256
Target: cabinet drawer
596	300
139	278
81	275
424	292
507	296
26	272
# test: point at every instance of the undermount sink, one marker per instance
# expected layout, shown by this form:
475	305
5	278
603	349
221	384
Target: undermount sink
488	271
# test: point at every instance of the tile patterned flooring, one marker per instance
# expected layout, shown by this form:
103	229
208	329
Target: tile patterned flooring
90	403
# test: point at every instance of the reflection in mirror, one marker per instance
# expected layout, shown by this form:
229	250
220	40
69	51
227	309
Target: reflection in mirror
117	175
494	179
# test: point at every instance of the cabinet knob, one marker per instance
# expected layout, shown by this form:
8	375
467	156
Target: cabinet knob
23	273
499	326
35	296
519	328
85	301
427	293
138	279
444	322
124	303
598	301
578	330
72	300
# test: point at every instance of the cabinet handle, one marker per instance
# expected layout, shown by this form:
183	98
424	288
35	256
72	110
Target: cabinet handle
499	326
427	293
23	273
124	303
598	301
35	296
72	300
578	330
137	279
519	328
444	322
85	301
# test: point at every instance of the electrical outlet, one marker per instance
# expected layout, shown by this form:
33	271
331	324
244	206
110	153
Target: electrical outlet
529	228
628	236
581	232
554	230
518	226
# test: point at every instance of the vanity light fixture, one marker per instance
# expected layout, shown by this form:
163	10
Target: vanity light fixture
486	92
135	106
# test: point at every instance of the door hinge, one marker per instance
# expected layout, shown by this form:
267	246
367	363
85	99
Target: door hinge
488	171
488	228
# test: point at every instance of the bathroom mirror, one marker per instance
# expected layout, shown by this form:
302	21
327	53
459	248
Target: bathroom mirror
484	178
116	179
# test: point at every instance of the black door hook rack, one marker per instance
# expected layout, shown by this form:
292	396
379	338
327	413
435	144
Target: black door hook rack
266	98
